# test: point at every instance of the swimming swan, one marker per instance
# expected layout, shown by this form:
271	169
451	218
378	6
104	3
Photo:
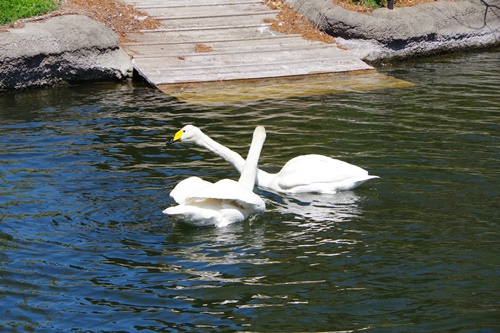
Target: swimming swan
202	203
302	174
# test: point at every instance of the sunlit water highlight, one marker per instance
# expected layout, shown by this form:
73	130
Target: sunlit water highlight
85	175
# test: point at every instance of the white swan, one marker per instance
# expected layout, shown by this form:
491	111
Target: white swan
202	203
302	174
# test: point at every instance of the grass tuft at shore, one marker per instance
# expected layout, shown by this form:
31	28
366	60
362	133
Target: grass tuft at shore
12	10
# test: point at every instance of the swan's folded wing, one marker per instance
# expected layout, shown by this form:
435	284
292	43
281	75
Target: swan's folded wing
193	215
228	190
312	169
186	187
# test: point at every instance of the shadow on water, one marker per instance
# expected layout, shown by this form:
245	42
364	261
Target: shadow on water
85	174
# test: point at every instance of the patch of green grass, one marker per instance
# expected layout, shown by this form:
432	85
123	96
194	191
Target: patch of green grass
12	10
370	3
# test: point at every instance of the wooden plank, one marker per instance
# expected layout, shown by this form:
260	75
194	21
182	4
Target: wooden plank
260	40
283	66
248	46
245	75
252	71
185	3
203	36
214	60
259	28
208	11
217	21
179	75
279	39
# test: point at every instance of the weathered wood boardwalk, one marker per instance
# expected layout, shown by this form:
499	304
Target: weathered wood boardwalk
220	40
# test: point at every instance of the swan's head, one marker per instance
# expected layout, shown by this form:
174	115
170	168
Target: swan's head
188	133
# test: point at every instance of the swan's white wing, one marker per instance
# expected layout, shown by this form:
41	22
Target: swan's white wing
202	216
347	184
229	191
192	215
313	169
186	187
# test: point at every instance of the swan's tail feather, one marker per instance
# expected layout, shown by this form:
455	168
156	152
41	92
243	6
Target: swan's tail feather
249	172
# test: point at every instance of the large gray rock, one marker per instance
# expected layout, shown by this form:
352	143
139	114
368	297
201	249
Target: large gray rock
434	27
70	48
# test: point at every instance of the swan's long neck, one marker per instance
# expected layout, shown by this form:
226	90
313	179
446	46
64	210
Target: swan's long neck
249	172
203	140
232	157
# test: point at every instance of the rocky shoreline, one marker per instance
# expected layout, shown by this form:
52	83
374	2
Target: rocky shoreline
62	49
403	33
74	48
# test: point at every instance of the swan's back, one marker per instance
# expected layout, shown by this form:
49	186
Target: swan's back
186	187
228	191
317	169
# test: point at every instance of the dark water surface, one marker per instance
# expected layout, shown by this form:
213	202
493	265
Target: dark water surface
85	175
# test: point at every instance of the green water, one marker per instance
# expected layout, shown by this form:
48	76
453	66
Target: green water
85	174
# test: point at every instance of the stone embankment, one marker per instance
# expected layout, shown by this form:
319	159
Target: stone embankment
74	48
62	49
402	33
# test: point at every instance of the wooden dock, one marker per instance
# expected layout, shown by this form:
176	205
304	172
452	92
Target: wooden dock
225	42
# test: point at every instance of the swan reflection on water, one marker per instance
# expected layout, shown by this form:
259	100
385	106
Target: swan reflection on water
337	207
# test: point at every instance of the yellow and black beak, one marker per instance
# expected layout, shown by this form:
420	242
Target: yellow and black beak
177	138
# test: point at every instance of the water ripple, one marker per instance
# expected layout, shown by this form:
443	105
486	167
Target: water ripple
85	174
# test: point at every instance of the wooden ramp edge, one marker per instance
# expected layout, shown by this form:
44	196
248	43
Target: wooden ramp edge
216	51
242	91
